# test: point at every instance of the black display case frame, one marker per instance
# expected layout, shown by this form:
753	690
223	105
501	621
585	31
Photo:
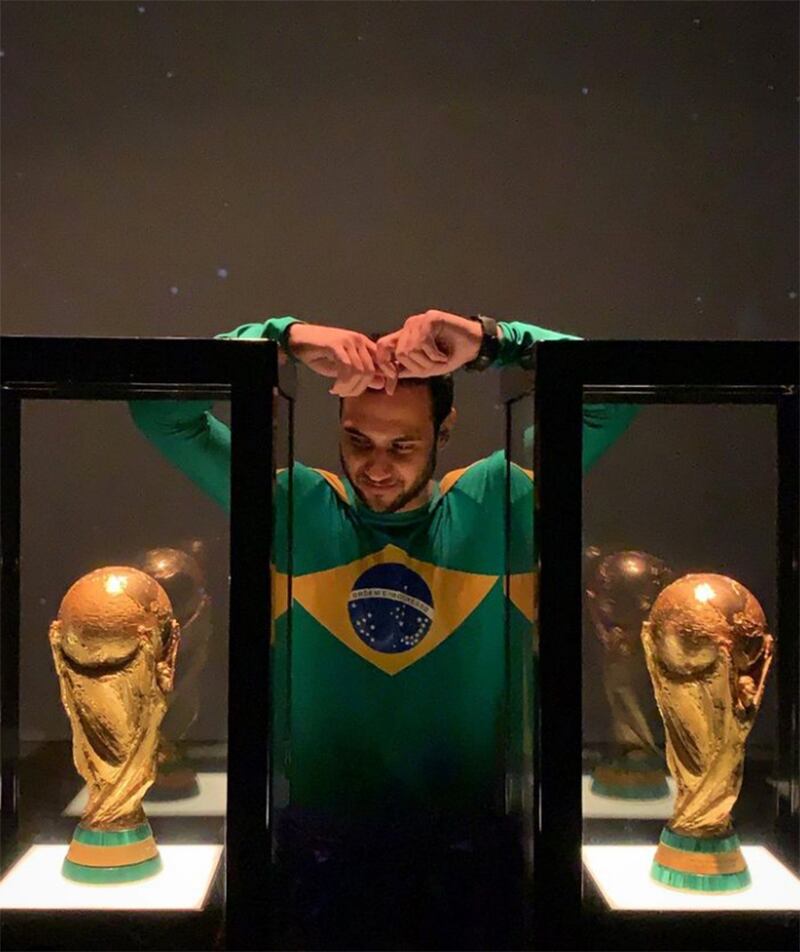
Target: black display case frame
563	375
249	376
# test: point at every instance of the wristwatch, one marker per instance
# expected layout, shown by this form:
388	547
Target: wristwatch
490	343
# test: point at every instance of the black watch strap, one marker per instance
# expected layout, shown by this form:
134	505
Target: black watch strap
490	343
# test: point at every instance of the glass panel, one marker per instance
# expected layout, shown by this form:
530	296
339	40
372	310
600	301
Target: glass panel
281	655
680	608
521	593
396	831
116	545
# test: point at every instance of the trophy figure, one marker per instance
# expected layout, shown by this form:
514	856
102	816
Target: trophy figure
620	592
708	653
182	578
114	645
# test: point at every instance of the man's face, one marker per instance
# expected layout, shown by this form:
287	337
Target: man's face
387	447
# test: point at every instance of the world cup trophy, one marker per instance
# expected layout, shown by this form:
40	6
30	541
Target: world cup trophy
181	576
709	653
620	592
114	645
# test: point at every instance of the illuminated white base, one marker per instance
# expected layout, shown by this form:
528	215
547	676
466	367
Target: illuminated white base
622	874
210	801
597	807
35	882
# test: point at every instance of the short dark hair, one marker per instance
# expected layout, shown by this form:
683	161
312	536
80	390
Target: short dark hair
442	388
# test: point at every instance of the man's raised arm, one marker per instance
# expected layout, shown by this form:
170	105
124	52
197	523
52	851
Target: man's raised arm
438	342
194	440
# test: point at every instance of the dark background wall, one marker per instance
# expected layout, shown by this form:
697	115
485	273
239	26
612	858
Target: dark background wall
607	169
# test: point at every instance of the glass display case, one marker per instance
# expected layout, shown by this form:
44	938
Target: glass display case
401	803
665	756
136	664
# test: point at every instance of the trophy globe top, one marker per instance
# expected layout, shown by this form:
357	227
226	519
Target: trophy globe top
701	616
106	613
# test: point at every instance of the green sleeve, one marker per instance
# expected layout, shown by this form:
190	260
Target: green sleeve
518	338
189	435
191	438
603	423
273	329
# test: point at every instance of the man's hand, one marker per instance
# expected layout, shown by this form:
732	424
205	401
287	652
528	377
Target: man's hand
431	344
352	358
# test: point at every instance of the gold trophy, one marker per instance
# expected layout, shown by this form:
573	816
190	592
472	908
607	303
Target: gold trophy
620	593
114	646
708	653
182	578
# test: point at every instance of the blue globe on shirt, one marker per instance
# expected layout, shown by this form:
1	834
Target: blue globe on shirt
391	608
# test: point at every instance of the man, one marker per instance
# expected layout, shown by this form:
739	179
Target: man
394	735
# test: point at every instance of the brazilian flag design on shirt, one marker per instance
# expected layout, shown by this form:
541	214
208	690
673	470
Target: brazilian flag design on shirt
391	692
397	660
390	609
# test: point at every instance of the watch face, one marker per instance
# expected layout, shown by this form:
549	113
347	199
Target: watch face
490	345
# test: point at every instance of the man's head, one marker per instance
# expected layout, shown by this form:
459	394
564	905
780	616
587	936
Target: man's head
388	444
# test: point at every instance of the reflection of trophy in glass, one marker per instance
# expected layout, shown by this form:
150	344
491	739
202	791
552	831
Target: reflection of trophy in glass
620	592
709	653
114	645
182	578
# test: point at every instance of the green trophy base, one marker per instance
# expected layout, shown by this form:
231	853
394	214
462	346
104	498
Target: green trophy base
708	864
630	778
111	856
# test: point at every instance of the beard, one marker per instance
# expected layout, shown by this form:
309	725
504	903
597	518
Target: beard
406	495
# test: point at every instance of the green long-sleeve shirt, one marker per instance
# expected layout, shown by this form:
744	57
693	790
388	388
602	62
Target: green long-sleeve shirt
391	696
